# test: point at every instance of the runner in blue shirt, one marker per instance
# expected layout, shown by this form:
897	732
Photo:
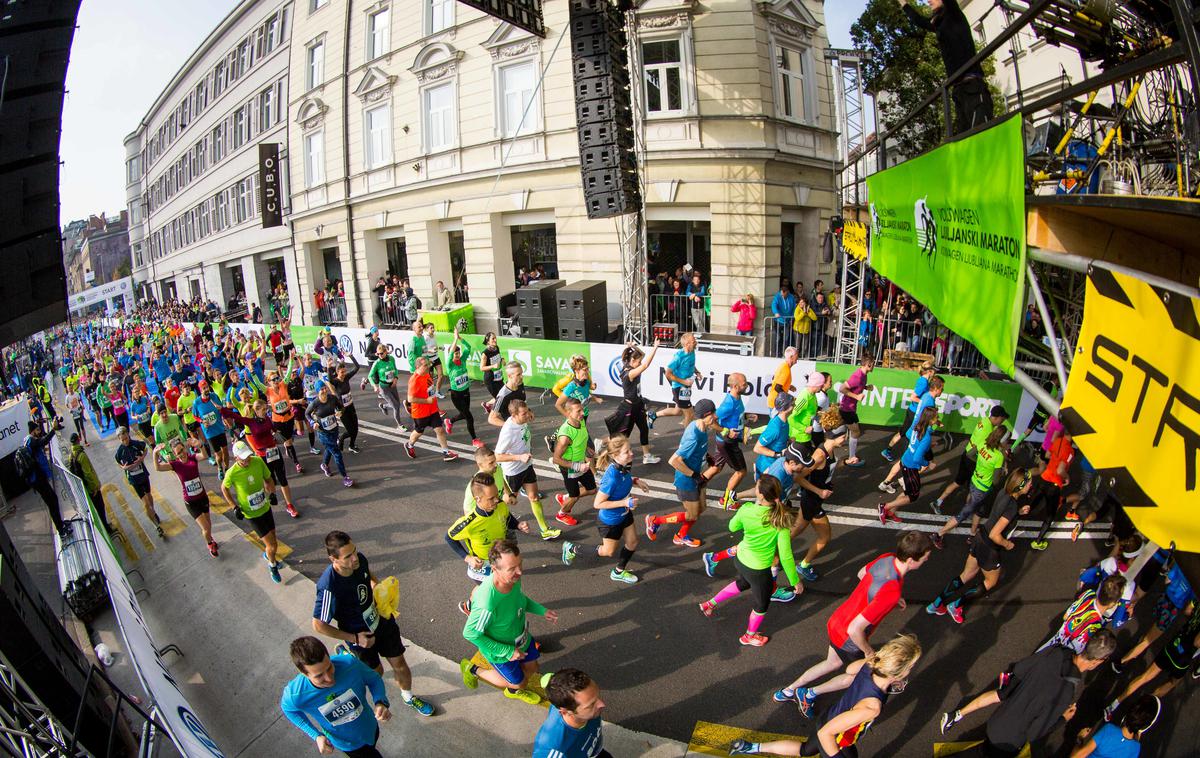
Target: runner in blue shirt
927	400
328	700
925	373
774	440
730	434
917	458
615	509
690	476
208	413
573	728
681	373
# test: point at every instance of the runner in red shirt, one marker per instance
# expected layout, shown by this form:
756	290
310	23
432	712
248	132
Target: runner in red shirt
424	410
1048	488
850	626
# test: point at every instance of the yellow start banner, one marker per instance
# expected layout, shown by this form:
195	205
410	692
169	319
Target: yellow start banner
854	239
1133	401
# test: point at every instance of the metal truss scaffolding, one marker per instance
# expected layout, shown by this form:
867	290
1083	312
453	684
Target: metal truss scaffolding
27	726
631	227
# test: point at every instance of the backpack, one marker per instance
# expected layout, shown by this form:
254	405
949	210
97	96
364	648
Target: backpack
23	462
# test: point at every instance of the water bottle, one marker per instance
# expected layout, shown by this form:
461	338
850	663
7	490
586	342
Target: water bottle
103	655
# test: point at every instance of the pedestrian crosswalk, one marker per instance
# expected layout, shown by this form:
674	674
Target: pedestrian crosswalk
714	739
943	749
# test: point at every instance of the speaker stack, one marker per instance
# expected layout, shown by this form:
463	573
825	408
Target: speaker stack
583	312
603	109
537	309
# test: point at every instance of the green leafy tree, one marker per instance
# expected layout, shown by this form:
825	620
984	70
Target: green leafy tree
905	68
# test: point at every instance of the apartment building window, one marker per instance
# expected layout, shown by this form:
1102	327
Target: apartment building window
137	254
241	126
378	34
217	141
316	5
662	68
378	124
268	108
439	15
244	200
517	86
315	70
314	159
790	79
440	126
221	219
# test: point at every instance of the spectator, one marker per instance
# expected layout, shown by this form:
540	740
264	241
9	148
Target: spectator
821	326
747	312
802	320
442	297
697	294
783	306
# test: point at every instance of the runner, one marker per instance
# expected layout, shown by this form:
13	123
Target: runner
579	385
573	727
75	408
690	477
371	353
1112	741
262	439
323	414
328	701
499	627
346	596
249	488
681	373
1177	596
781	383
139	411
489	364
989	465
283	411
774	440
424	409
516	460
916	459
460	389
384	377
850	627
632	410
729	439
339	381
311	378
513	390
571	457
814	490
853	391
929	400
925	375
983	552
131	456
875	678
1175	659
766	525
1090	613
615	506
435	361
801	419
116	398
178	459
1048	487
207	412
966	463
488	521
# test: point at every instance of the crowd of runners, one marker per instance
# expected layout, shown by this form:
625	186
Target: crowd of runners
228	412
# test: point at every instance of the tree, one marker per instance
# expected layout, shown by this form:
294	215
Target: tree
905	68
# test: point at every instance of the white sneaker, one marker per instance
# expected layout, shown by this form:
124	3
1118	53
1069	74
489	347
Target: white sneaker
649	459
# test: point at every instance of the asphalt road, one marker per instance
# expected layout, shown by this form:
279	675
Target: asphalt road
664	666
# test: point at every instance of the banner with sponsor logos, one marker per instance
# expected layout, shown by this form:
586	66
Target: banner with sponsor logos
854	239
1133	401
14	426
949	228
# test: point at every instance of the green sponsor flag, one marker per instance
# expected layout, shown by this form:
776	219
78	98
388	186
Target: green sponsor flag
544	361
949	228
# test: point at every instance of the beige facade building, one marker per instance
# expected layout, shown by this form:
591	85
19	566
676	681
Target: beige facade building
422	145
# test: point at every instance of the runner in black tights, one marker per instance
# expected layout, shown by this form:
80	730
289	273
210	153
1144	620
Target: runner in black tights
340	382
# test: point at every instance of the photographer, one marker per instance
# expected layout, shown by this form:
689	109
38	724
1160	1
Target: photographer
972	100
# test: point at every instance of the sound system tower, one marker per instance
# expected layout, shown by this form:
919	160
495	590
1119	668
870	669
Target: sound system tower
603	109
537	309
583	312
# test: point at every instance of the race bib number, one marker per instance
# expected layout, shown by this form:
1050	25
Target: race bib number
118	404
460	382
193	488
343	709
371	617
281	406
347	399
272	454
329	423
256	499
389	376
209	418
685	393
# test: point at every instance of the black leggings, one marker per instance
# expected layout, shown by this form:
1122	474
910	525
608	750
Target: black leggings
760	582
462	404
1048	495
350	420
626	417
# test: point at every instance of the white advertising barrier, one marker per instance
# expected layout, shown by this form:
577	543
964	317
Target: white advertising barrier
714	369
14	425
169	704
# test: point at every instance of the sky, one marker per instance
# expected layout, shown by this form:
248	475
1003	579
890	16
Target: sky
125	52
123	55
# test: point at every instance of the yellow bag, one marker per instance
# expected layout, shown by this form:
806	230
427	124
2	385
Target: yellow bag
387	597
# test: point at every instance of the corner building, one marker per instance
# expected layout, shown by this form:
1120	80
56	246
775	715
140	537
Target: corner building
192	167
421	146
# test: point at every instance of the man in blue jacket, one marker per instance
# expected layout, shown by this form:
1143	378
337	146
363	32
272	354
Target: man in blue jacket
783	306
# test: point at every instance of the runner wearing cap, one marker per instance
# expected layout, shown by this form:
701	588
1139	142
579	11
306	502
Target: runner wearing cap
283	406
853	391
690	476
929	400
371	353
262	439
911	411
249	488
966	463
801	420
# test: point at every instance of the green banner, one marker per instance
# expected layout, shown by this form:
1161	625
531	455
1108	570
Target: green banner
949	228
963	402
544	361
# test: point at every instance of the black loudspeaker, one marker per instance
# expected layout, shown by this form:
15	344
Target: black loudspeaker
603	109
591	330
583	300
537	309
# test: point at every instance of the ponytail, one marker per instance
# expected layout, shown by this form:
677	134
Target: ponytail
616	443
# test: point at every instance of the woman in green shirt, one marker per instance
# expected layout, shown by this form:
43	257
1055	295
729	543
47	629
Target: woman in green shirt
989	462
460	388
766	533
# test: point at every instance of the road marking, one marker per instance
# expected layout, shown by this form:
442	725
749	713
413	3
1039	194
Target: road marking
532	685
282	549
172	525
714	739
217	503
943	749
112	491
847	515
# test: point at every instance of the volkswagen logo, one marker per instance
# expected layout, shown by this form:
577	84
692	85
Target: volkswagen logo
614	370
346	345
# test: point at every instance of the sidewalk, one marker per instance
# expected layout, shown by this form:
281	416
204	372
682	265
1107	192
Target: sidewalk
234	625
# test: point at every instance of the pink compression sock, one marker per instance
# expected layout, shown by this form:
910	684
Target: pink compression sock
728	593
755	622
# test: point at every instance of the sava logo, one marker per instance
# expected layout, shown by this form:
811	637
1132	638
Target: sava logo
524	357
926	230
542	364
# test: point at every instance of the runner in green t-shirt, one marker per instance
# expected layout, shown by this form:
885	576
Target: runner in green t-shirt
801	421
250	489
383	377
167	425
571	457
989	466
460	388
966	463
498	627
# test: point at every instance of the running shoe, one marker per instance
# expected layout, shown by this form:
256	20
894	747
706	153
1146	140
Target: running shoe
688	541
476	442
325	471
419	705
937	506
753	639
887	455
550	439
524	695
949	720
1071	516
448	425
469	679
742	747
651	529
727	501
891	516
710	566
353	448
403	429
1111	709
651	417
886	486
881	512
857	464
808	573
551	534
1040	545
1110	540
649	459
212	549
448	456
1196	671
935	609
362	384
955	611
784	695
628	577
410	450
465	607
937	541
805	698
707	608
347	481
315	450
212	461
488	405
291	511
569	551
561	499
1078	530
563	517
273	570
382	408
161	534
299	469
439	396
782	595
